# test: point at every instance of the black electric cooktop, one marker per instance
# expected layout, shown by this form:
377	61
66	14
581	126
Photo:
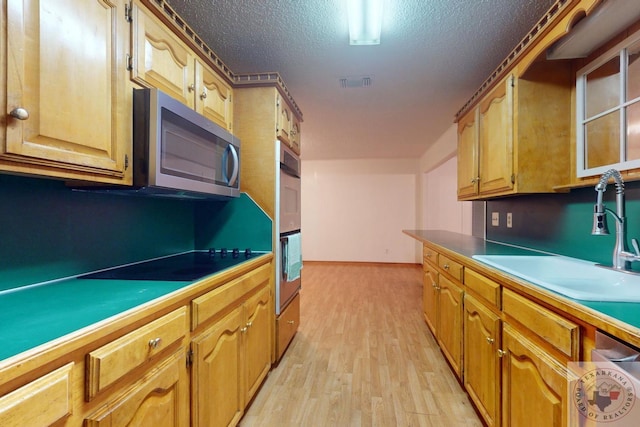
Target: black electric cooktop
184	267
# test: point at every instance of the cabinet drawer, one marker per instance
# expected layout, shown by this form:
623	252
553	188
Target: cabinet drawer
41	402
559	332
482	286
218	301
429	255
451	267
287	325
111	362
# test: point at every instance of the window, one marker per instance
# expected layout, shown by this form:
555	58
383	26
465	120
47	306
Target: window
608	110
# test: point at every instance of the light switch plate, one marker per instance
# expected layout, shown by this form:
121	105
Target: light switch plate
495	219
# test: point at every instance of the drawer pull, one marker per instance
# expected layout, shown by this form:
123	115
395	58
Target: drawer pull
490	340
446	266
154	343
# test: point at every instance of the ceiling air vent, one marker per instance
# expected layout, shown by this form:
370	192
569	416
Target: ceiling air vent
352	82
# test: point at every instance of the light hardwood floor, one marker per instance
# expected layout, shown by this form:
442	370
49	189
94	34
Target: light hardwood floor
363	356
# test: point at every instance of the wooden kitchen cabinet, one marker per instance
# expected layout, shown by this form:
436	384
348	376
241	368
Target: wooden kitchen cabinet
430	295
442	297
534	384
287	125
287	325
161	60
217	386
482	341
23	407
449	323
160	398
232	351
68	99
517	139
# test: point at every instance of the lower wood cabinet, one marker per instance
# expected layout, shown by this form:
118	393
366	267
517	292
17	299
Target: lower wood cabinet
510	352
232	353
449	329
481	359
23	407
534	384
160	399
430	296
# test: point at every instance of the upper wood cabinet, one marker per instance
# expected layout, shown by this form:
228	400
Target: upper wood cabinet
287	125
160	59
68	99
517	139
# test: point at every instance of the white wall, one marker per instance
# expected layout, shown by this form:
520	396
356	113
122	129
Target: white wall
355	210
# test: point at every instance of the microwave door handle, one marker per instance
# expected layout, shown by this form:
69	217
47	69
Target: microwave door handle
234	174
284	242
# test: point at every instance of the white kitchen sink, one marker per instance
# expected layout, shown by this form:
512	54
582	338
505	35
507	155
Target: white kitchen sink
571	277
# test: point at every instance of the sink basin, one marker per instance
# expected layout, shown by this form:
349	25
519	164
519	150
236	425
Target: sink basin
571	277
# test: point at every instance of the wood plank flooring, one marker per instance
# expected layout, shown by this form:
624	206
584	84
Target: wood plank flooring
363	356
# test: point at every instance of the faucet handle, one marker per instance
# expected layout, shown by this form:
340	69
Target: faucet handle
636	249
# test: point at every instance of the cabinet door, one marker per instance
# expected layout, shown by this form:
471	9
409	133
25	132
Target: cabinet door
66	70
429	296
481	361
213	97
496	139
284	120
295	135
450	322
160	398
216	380
258	339
468	155
160	59
534	385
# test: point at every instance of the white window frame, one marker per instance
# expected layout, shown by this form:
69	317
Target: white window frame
620	51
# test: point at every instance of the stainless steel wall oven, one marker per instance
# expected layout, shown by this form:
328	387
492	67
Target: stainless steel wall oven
289	219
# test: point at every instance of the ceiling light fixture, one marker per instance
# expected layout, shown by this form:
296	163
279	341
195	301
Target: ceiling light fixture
365	22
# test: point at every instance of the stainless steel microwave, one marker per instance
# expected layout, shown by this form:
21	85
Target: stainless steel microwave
177	152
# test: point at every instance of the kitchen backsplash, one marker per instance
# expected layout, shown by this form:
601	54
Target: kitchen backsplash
49	231
561	223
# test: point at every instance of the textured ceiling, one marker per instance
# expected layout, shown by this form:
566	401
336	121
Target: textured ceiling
433	56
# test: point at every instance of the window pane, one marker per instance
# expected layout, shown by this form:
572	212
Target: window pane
633	131
603	87
602	140
633	73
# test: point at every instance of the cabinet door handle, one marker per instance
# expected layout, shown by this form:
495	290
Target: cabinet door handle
154	343
249	324
490	340
501	353
19	113
203	95
243	330
291	322
191	87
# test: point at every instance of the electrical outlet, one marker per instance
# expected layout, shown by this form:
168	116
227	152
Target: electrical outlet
509	220
495	219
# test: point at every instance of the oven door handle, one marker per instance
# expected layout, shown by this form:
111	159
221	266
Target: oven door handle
284	242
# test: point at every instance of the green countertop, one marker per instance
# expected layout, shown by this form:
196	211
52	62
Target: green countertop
627	312
34	315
